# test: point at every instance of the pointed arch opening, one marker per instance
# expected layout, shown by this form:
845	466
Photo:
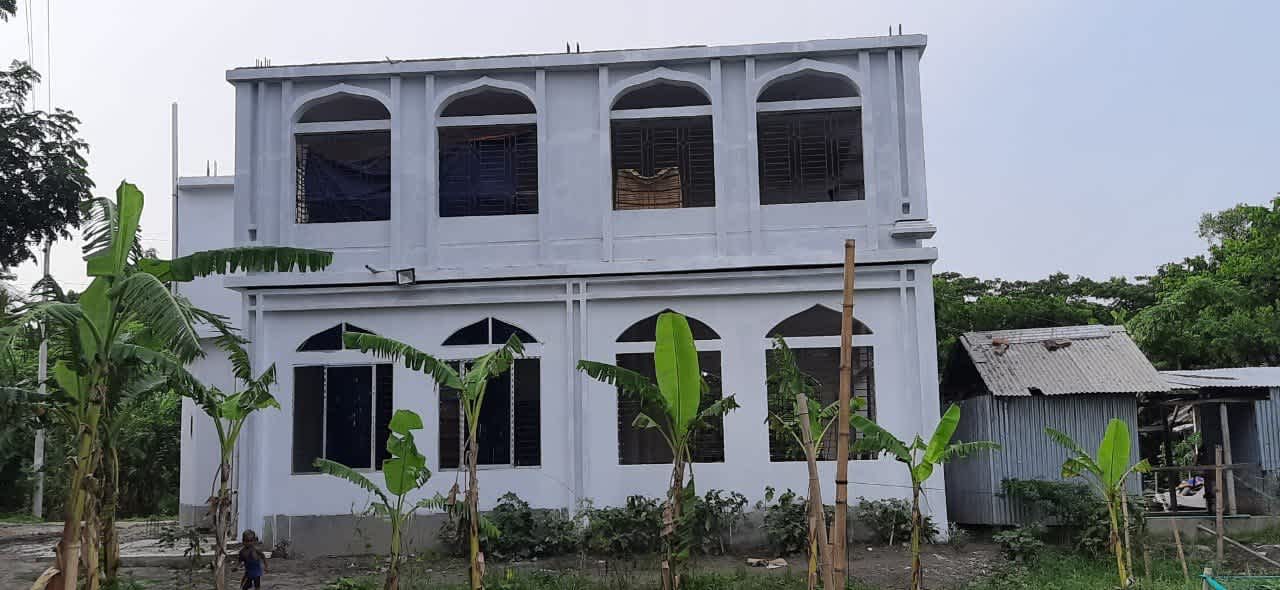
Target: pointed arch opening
488	151
646	329
342	159
809	85
816	354
488	101
345	107
809	137
488	331
663	147
330	339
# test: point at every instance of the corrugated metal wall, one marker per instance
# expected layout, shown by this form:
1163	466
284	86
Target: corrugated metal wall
1018	425
1268	421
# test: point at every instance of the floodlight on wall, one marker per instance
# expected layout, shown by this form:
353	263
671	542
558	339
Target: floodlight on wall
405	276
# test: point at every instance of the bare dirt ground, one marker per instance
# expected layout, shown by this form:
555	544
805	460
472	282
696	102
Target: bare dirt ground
25	553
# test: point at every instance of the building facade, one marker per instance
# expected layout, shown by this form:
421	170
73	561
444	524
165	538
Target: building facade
567	198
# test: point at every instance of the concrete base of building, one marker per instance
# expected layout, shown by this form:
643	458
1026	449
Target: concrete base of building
1162	526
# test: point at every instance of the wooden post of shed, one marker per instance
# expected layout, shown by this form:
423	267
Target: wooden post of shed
1217	499
1226	457
839	557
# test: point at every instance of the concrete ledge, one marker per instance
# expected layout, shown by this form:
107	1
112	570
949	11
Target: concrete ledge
1234	525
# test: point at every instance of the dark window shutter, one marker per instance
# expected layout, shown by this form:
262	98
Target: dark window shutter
490	170
349	416
308	417
708	443
648	146
810	156
528	412
386	408
450	429
494	436
637	446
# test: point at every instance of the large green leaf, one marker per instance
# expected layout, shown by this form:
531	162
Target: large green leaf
1113	453
71	383
1081	461
403	474
342	471
111	260
230	260
412	358
404	421
942	434
146	300
675	360
877	439
630	384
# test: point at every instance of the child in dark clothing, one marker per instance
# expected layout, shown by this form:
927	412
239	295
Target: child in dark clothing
254	560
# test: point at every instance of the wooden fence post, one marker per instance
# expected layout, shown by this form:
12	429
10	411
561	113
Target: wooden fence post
1217	499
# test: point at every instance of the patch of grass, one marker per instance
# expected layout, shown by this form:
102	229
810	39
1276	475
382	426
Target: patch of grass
743	580
18	518
1267	536
1057	570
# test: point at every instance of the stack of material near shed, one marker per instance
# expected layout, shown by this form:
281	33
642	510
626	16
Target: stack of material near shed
1011	384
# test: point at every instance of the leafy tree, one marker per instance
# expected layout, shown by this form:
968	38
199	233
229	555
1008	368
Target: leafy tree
677	395
920	458
126	317
471	387
404	472
1107	470
43	176
8	8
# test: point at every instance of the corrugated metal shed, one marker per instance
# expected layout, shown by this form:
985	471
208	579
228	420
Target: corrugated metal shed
1061	361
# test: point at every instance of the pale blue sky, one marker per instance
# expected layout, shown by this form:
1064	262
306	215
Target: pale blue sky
1085	137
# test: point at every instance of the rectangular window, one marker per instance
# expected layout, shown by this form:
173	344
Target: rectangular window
642	446
343	177
663	163
510	428
822	364
341	413
810	156
488	170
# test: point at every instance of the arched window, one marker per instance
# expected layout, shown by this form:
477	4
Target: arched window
814	338
331	339
663	148
342	148
638	446
488	154
510	417
340	412
809	138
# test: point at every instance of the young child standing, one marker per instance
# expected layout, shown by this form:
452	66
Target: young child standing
254	560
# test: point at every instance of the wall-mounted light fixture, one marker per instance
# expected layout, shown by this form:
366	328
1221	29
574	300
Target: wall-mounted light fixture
405	276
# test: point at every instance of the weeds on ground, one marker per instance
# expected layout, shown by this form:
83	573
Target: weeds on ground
1061	570
511	580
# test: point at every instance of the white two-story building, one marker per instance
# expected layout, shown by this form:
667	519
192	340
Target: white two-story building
567	198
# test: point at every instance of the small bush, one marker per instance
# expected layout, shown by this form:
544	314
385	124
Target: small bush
890	520
707	522
786	521
527	533
1074	506
628	530
1021	543
958	537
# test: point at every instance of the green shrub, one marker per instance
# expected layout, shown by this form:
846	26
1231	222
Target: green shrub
1021	543
628	530
1078	510
525	532
786	521
707	522
352	584
890	520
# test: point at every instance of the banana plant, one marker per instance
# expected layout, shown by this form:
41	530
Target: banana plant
403	473
128	295
807	424
921	459
674	401
1107	471
471	386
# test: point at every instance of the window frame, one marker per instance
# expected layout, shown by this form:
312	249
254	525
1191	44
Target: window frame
758	107
688	112
442	122
375	466
297	129
459	360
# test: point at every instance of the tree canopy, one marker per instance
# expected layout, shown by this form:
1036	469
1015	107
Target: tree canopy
43	176
1217	309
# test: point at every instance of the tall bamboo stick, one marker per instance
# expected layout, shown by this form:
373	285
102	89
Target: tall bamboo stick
838	540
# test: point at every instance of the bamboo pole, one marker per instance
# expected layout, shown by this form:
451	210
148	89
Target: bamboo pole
838	536
1182	555
1239	545
1217	499
1226	458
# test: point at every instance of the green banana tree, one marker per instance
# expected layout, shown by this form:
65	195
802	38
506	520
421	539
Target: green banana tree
471	385
1107	470
675	401
404	472
126	312
921	459
228	412
807	424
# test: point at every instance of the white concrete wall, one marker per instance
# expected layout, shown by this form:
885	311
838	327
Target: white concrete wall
576	226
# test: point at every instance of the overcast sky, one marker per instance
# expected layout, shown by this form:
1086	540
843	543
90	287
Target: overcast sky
1086	137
